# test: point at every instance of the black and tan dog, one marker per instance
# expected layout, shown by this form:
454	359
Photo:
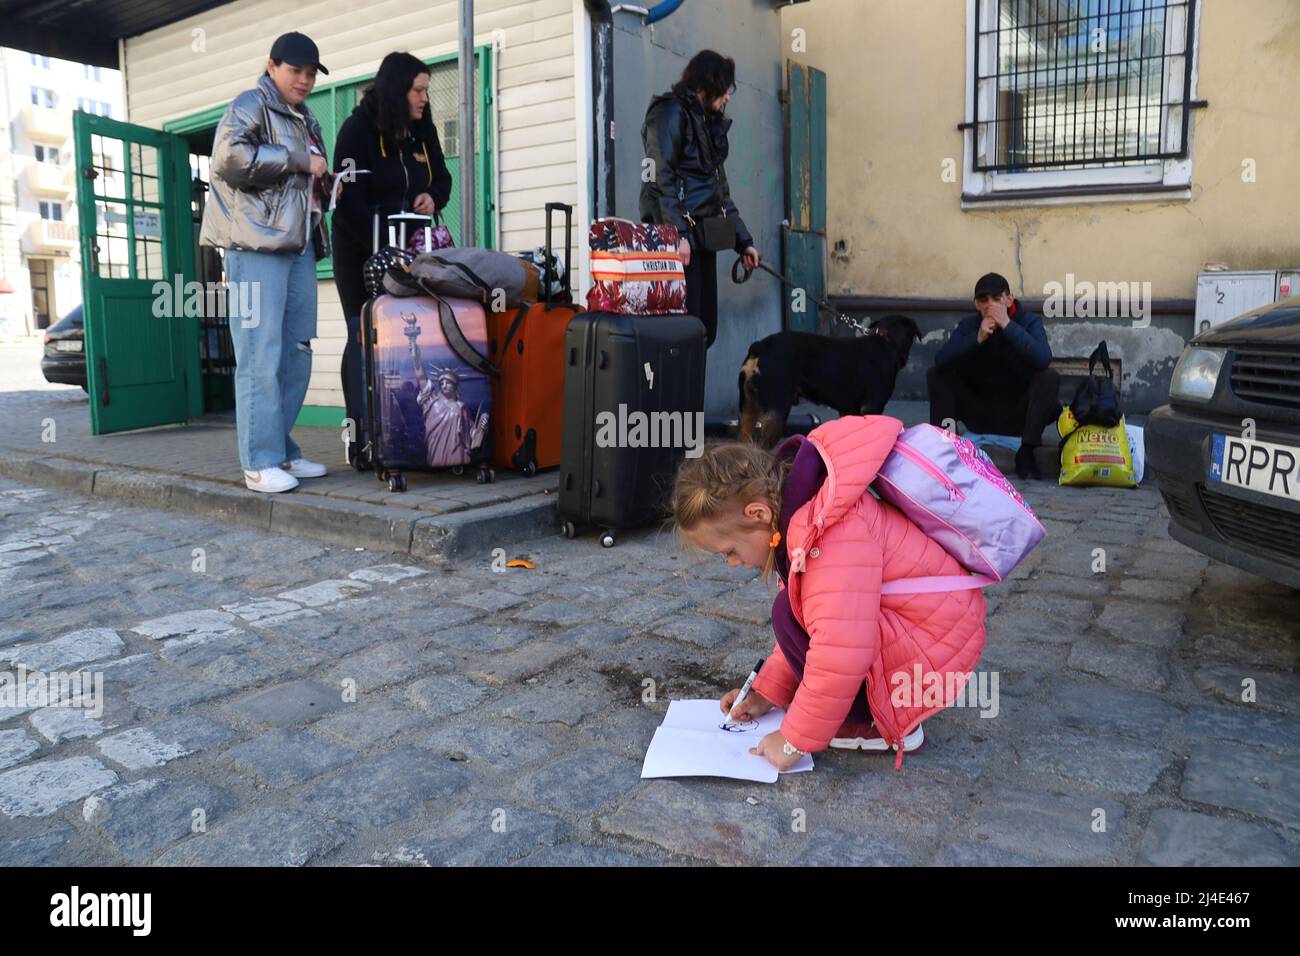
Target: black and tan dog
853	376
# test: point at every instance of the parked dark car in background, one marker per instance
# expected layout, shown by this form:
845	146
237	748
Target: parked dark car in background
1233	493
64	362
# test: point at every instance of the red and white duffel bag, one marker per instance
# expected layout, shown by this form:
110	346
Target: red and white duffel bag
635	269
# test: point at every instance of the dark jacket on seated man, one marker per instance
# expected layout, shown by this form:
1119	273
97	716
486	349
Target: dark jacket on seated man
1003	365
1004	385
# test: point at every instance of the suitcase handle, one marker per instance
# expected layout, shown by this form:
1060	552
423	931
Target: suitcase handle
568	251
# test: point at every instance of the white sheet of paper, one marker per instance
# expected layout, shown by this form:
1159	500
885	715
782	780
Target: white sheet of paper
691	743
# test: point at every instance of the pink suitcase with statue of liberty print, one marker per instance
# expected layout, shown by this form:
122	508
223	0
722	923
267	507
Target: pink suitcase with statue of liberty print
428	386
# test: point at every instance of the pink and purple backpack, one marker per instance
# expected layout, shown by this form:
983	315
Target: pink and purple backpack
960	499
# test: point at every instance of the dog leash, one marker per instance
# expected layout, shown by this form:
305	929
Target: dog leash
741	273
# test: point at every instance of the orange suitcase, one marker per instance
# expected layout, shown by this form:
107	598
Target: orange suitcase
527	346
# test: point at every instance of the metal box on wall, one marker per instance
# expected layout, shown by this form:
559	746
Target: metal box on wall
1288	283
1221	296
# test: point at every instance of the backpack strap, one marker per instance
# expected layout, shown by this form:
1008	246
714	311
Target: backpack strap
937	583
457	342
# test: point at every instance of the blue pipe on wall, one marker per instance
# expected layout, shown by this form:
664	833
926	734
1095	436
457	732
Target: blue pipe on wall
662	10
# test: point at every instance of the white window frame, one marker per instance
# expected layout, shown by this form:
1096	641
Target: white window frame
47	98
992	189
48	209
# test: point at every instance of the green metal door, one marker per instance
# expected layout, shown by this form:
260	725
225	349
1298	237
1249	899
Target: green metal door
137	253
804	239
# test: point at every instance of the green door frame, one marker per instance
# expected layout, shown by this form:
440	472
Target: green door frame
804	239
142	369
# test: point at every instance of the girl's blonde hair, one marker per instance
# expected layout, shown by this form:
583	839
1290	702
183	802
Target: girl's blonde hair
725	478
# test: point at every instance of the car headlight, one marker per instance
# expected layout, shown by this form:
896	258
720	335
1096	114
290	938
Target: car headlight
1197	374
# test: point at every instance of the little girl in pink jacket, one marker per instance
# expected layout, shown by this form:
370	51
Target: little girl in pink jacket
842	649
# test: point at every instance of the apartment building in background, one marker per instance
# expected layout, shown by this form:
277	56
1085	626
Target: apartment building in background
40	267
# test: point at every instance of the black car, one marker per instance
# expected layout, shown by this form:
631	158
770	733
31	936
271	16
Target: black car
1226	449
64	362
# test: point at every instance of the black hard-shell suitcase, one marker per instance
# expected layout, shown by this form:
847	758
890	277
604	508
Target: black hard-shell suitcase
633	402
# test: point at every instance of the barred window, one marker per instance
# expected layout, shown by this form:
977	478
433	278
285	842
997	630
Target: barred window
1080	84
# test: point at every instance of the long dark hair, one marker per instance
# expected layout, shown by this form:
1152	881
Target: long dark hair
709	73
385	100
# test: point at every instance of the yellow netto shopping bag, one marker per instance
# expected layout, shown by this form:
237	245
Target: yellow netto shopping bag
1092	455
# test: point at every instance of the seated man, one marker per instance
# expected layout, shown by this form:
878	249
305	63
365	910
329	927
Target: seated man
992	374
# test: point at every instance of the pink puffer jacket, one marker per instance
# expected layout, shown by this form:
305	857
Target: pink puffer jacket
842	544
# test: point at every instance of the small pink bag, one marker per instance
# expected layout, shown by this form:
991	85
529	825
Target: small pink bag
429	234
431	240
960	499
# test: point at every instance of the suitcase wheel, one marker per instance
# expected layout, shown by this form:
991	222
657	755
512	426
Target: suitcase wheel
486	475
530	469
607	539
569	530
458	469
397	482
359	456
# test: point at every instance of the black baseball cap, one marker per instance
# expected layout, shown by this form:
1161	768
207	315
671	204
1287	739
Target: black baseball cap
297	49
991	284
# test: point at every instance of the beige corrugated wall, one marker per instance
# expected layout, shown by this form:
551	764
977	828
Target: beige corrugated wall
206	60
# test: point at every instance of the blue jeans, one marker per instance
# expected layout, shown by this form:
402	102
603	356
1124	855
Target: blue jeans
272	322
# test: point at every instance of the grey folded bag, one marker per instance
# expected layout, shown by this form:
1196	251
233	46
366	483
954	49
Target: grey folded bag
497	279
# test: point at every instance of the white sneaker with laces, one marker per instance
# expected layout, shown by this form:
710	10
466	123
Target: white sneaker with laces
271	480
302	468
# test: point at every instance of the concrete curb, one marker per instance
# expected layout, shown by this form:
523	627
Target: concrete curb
320	517
479	530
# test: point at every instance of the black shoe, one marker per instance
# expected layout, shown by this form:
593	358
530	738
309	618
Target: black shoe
1027	464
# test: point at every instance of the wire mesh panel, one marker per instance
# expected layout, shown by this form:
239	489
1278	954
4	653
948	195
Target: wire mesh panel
444	106
1067	84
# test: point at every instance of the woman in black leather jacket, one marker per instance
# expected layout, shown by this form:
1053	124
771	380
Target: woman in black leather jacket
685	139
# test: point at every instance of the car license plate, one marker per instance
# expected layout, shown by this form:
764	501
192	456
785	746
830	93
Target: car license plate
1261	466
67	345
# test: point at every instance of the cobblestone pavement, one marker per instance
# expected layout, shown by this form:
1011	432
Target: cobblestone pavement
268	700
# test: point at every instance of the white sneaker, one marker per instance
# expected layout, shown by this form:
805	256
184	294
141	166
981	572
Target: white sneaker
271	480
862	738
302	468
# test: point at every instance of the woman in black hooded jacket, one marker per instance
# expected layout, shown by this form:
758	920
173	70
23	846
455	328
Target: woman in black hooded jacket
391	134
685	139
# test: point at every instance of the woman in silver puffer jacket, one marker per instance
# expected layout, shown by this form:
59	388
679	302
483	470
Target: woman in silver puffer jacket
270	186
